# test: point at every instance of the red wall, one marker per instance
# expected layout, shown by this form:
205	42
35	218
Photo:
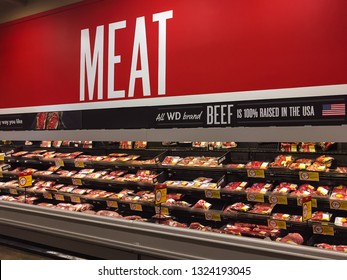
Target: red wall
212	46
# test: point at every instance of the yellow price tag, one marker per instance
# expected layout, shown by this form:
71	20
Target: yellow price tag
112	204
59	162
59	197
25	181
212	194
322	229
212	217
13	191
136	207
79	164
306	208
278	199
75	199
160	194
309	176
255	197
164	210
255	173
47	195
338	204
277	224
1	175
2	156
77	182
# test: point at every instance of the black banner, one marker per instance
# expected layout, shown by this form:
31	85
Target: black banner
262	113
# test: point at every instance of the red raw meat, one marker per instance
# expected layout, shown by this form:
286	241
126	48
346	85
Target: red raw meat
292	238
41	120
53	120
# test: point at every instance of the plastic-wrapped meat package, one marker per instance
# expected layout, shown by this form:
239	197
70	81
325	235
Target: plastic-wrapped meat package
238	206
235	186
45	204
341	169
280	216
66	206
339	192
282	161
262	208
295	218
292	238
108	213
259	188
341	221
257	165
340	248
284	188
304	190
202	204
316	166
68	189
321	216
83	207
199	226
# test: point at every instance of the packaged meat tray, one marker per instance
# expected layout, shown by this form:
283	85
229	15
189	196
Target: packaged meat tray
170	160
236	186
202	204
284	188
257	165
280	216
262	208
235	165
282	161
179	203
259	188
295	218
307	189
339	192
341	221
238	206
199	161
292	238
321	216
340	248
341	169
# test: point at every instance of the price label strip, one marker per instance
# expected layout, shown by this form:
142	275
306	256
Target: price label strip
323	229
75	199
212	194
59	197
59	162
212	217
277	224
338	204
2	156
278	199
164	210
309	176
255	173
112	204
77	181
136	207
255	197
13	191
79	164
47	196
306	208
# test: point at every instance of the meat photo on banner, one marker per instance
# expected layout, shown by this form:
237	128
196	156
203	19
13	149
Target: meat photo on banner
57	120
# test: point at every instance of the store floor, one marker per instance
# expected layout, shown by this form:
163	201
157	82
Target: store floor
11	253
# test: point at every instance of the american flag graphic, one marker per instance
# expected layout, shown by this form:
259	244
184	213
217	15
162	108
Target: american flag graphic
337	109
